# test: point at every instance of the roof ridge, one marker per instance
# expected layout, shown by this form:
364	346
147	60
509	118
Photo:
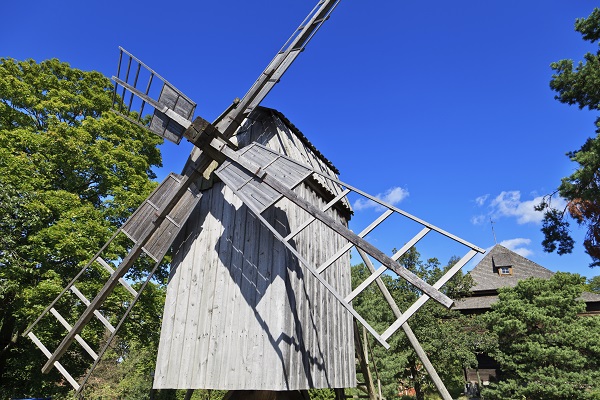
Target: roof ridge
303	138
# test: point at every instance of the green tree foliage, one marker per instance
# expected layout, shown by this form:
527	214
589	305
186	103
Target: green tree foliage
449	339
545	350
70	173
593	284
578	85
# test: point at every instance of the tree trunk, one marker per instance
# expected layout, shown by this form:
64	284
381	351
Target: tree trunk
418	389
7	336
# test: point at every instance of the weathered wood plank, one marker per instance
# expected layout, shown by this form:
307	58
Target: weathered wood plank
238	236
213	290
168	321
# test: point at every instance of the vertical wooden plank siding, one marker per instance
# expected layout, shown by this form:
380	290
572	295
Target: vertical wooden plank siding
240	313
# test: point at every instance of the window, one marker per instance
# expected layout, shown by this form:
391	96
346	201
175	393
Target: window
504	271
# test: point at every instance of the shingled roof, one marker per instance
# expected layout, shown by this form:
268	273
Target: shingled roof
487	275
502	267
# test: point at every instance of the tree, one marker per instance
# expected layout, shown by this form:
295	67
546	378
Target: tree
593	284
578	85
444	334
70	172
545	350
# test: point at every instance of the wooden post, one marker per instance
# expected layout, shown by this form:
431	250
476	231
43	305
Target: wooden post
340	394
152	391
269	395
362	355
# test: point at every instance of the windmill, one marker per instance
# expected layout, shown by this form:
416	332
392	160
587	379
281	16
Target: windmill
259	296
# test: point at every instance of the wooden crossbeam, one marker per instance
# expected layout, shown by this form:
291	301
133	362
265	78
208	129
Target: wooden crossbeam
57	364
377	273
349	245
421	300
97	313
79	339
311	219
111	271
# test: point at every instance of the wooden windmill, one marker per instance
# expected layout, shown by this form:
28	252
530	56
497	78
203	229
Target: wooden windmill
259	296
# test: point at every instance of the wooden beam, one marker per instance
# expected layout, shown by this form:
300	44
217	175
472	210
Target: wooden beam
79	339
58	365
348	246
310	220
363	361
377	273
111	271
97	313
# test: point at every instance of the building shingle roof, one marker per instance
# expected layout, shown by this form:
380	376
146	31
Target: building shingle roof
486	277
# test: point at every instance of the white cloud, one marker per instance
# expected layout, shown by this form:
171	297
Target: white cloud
509	204
392	196
481	200
518	245
395	195
478	219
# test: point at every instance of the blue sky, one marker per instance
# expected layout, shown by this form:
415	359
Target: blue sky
445	106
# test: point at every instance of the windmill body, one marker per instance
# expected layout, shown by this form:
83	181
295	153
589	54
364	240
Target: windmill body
241	313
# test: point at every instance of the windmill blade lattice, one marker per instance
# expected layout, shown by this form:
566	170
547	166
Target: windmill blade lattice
152	228
275	176
172	110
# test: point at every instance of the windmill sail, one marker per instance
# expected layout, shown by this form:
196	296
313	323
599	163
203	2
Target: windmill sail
275	176
283	59
173	110
152	228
